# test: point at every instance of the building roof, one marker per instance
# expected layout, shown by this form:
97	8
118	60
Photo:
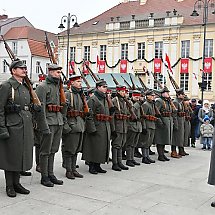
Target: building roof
4	20
35	38
127	9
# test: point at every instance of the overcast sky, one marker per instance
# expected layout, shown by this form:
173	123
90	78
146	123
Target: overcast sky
46	14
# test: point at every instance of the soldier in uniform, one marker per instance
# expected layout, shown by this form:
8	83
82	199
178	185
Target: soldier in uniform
96	145
16	128
134	130
178	121
187	124
120	123
164	129
74	126
49	95
211	177
148	132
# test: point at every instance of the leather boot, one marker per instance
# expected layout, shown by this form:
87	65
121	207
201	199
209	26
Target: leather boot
45	180
99	169
119	160
130	163
144	159
54	180
20	189
181	151
166	158
115	165
24	173
92	169
70	175
147	156
10	191
132	156
213	204
77	174
160	150
129	157
174	154
137	154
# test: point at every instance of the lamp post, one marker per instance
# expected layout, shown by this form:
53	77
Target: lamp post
205	4
68	19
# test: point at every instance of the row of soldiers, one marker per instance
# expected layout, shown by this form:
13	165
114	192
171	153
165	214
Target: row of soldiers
91	127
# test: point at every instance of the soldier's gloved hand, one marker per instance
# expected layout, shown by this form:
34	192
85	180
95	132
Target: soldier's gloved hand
46	132
4	135
144	131
36	108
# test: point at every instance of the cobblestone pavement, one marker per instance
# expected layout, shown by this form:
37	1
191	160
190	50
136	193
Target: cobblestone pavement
178	187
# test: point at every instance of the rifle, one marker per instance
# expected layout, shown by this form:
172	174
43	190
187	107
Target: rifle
142	83
114	79
85	80
173	82
34	97
53	60
129	86
132	81
96	78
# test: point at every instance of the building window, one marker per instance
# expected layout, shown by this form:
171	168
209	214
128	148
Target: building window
158	49
208	79
14	47
38	67
141	51
87	53
72	53
5	66
185	49
103	52
209	48
124	51
184	81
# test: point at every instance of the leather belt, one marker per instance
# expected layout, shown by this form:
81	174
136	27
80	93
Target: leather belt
54	108
103	117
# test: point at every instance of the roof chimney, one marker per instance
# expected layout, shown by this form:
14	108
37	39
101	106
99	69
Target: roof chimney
4	16
142	2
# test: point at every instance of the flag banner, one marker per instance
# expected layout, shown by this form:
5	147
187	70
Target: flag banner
71	67
85	70
157	65
102	66
184	65
168	63
98	61
208	65
123	66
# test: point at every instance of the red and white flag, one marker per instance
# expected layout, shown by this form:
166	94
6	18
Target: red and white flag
102	66
71	67
168	63
184	65
157	65
208	65
85	70
123	66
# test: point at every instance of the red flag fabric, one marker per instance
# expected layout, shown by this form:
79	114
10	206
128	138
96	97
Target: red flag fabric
101	66
157	65
168	63
184	65
208	65
123	66
85	70
71	67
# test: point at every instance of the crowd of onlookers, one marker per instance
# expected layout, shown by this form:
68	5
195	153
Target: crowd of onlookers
202	123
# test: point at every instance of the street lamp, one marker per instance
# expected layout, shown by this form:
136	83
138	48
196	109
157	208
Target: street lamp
205	4
68	19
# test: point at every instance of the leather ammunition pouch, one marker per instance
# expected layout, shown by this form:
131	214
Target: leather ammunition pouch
103	117
151	118
181	114
75	113
54	108
121	117
166	114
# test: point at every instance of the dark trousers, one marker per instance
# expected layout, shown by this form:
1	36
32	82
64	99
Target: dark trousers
49	146
11	177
